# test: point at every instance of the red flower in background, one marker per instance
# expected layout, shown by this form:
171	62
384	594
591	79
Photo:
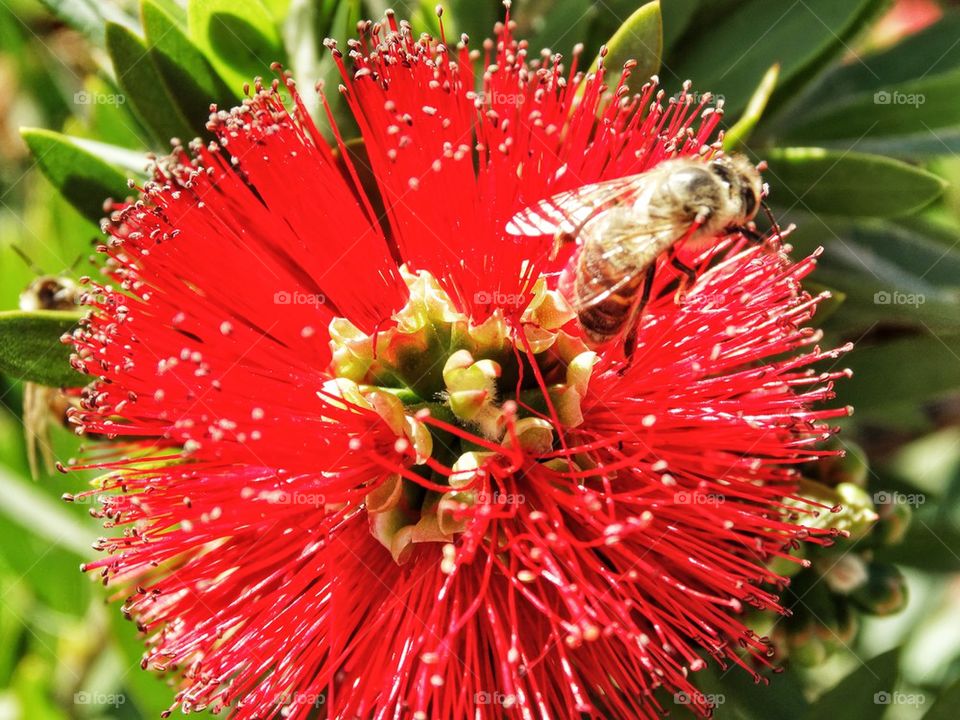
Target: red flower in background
413	491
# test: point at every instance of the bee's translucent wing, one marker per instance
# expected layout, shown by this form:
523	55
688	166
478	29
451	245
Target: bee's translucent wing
598	292
568	212
631	248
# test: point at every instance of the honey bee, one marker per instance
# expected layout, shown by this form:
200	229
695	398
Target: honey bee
41	403
622	226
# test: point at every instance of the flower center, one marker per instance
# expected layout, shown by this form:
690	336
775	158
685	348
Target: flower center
491	391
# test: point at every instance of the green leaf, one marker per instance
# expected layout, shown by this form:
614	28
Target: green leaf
945	708
730	55
738	134
914	110
848	183
852	696
932	51
79	175
752	700
110	122
238	36
899	373
677	16
144	88
640	38
30	347
890	274
189	77
932	546
130	161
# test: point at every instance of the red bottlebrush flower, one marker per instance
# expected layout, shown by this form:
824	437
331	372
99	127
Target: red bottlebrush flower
369	463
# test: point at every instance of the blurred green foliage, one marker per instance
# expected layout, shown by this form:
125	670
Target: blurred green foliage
853	104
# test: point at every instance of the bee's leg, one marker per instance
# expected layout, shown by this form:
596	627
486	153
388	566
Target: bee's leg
686	282
750	234
633	324
772	243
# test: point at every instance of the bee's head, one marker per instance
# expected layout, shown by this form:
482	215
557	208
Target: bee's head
744	183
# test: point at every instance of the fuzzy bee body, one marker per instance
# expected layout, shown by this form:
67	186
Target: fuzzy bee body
622	226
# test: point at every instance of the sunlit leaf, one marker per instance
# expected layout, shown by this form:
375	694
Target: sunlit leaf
848	183
189	77
144	88
74	168
239	36
640	38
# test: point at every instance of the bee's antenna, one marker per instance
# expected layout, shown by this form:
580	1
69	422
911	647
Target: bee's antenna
773	221
26	259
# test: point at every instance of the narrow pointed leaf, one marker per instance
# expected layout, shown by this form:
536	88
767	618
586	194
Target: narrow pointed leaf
640	38
848	183
31	350
144	88
916	111
189	77
123	159
84	179
903	372
930	52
